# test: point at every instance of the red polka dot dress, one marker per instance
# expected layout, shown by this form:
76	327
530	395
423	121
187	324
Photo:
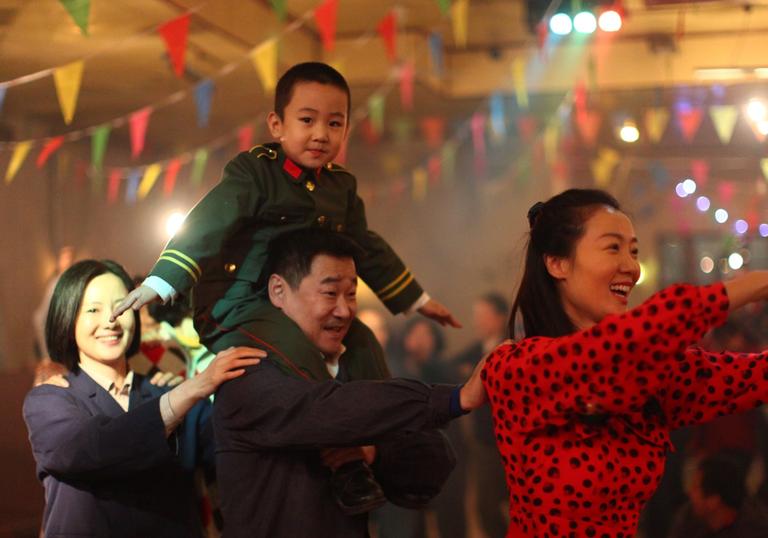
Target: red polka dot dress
582	421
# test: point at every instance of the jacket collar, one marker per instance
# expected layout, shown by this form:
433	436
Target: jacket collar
293	170
141	391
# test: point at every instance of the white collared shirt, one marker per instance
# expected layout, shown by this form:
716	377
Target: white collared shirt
121	395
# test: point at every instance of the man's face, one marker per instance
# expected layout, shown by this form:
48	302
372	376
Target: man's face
325	302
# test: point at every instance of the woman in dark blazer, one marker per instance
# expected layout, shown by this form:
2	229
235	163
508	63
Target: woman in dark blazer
114	452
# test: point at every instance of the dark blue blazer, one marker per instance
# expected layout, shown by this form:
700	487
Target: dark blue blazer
109	473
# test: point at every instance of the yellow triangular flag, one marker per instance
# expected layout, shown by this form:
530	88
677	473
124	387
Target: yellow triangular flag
519	65
264	58
603	165
764	168
724	117
419	189
656	120
459	15
67	80
150	176
17	159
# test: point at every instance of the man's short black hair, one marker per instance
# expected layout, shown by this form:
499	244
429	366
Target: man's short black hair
308	72
290	254
65	307
724	474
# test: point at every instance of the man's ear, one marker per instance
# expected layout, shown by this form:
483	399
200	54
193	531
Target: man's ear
276	288
558	267
275	125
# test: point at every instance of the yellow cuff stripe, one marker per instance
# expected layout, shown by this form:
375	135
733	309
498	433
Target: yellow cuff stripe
180	264
186	258
397	290
392	284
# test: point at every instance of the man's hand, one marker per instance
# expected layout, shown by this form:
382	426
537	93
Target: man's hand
472	394
163	379
56	381
143	295
436	311
46	369
336	457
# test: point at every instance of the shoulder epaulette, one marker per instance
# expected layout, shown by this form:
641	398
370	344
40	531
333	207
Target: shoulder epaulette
263	151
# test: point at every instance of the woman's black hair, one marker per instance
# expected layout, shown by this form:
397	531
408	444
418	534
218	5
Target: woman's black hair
65	307
556	226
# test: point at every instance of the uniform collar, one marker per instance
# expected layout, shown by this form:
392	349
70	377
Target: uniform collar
296	172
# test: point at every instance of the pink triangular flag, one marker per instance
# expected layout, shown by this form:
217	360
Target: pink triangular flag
49	149
387	28
138	123
171	171
407	72
113	185
689	121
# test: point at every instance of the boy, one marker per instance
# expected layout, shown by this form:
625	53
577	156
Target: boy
268	190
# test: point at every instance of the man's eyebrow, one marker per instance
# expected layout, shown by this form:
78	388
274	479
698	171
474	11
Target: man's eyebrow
335	279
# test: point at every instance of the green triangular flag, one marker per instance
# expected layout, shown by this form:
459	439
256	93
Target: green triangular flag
198	166
445	6
279	7
99	140
79	10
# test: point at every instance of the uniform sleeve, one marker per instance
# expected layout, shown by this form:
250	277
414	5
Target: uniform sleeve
613	367
703	385
215	218
67	441
265	408
382	269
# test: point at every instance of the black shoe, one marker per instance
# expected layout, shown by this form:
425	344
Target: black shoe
355	489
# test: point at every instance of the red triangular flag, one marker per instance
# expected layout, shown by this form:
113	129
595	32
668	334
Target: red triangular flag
325	17
689	121
48	149
138	123
434	168
387	28
407	72
725	192
171	171
588	122
113	185
245	138
174	33
700	171
433	129
526	126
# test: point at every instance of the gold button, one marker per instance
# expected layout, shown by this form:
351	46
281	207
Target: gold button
283	218
230	268
310	186
329	166
339	227
321	219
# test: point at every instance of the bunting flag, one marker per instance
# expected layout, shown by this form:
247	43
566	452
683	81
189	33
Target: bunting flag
325	18
79	10
700	171
764	168
174	33
99	140
433	169
407	73
459	15
203	94
656	120
725	192
433	130
198	166
519	66
132	185
724	119
245	138
376	112
436	54
603	166
477	124
113	185
588	123
171	171
387	28
138	124
498	123
526	126
3	89
403	128
448	160
280	9
688	120
20	152
67	80
419	187
264	58
49	149
151	173
445	6
660	175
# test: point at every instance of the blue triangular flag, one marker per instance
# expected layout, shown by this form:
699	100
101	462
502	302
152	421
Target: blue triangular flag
132	185
436	53
2	96
498	123
203	94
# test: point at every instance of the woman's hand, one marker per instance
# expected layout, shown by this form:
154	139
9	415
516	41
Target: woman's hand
472	394
227	364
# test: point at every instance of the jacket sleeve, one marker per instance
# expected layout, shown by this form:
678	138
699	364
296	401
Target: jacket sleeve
613	367
68	441
381	268
703	385
206	228
265	408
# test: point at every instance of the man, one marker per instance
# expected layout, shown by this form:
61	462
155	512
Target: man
279	425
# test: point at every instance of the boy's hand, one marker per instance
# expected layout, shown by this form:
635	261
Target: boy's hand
439	313
139	297
163	379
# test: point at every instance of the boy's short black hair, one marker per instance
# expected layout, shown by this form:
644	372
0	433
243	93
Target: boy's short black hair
290	254
65	307
308	72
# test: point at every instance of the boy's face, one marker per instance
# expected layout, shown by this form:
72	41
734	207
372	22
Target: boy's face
314	124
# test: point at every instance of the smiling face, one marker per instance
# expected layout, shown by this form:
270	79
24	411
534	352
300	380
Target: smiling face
313	125
597	278
325	302
98	339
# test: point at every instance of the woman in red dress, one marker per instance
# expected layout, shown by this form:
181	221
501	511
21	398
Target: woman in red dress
584	403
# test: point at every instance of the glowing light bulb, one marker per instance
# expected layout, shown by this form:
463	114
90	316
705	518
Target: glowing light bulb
707	264
560	24
702	203
585	22
689	186
721	216
735	261
609	21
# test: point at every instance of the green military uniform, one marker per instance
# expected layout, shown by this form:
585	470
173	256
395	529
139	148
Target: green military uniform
221	249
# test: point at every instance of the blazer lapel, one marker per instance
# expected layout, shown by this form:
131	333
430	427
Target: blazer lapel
100	398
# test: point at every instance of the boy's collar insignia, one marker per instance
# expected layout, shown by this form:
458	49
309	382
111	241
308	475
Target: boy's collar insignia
293	169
